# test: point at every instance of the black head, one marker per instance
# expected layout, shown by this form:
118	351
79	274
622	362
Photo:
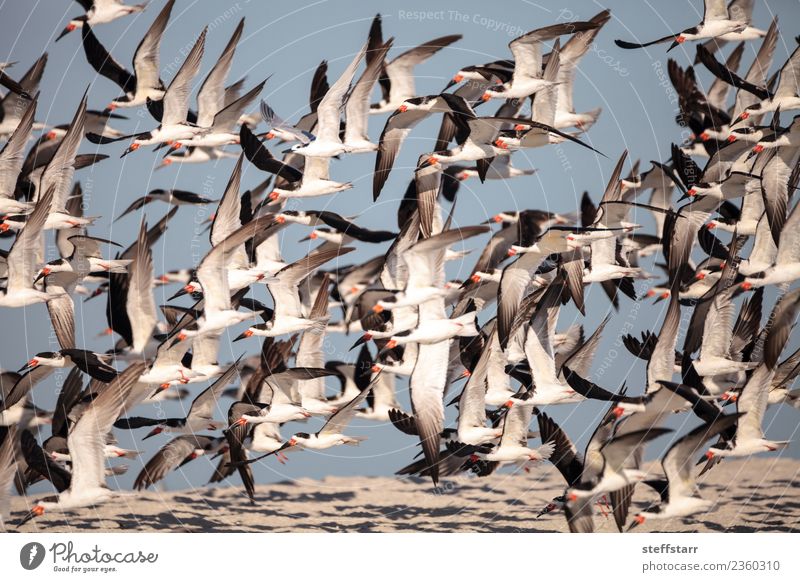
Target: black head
303	435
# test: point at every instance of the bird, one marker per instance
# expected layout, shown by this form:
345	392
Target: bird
95	365
11	162
172	196
287	315
679	493
398	126
717	22
19	290
100	12
199	417
86	444
327	142
397	75
177	452
527	50
144	83
330	435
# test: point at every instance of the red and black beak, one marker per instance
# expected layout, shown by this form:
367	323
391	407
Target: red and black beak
35	512
154	432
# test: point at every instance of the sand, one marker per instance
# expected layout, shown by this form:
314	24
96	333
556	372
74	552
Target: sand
758	494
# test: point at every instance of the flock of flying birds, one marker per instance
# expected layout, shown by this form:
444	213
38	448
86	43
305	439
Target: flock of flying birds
499	371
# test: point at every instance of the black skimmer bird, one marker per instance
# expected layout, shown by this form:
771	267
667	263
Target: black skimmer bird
679	494
397	76
527	79
13	105
287	316
86	442
717	22
100	12
327	141
145	81
21	260
175	454
8	439
200	416
12	158
399	125
173	197
95	365
330	435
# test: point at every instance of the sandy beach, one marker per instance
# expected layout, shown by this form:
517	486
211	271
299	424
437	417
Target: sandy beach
758	494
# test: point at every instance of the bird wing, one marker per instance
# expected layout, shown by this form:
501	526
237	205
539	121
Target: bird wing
357	107
753	403
717	95
61	168
484	130
662	363
581	359
102	62
203	405
571	53
176	98
12	155
338	422
775	188
310	353
718	325
226	118
88	246
789	243
714	10
168	458
61	308
146	57
211	95
87	439
527	49
397	128
617	451
8	468
472	403
539	341
329	109
513	283
427	385
227	217
140	303
205	350
678	462
213	270
23	255
782	321
285	290
236	436
400	70
565	455
759	69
